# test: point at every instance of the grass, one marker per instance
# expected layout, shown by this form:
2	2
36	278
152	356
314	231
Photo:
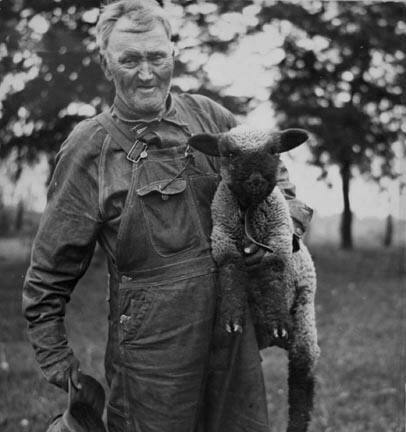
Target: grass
360	375
361	334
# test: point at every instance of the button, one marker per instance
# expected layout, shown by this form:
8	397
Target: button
141	130
165	197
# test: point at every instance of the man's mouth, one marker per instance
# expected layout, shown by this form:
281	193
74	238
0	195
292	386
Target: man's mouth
146	89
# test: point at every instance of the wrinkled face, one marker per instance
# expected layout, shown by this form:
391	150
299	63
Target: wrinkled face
141	65
251	175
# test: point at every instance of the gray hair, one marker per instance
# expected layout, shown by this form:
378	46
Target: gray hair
144	13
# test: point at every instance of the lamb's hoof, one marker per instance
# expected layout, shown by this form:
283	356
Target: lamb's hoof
233	327
280	333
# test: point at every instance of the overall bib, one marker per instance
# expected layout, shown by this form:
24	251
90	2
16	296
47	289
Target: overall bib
162	371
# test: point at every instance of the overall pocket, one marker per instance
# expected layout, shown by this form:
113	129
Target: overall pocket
167	207
135	306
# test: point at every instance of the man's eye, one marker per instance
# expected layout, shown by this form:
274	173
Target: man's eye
157	58
129	62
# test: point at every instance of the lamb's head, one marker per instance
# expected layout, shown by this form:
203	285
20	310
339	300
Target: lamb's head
249	158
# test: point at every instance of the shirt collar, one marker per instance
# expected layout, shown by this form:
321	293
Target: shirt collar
120	111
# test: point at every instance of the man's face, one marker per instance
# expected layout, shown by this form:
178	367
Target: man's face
140	65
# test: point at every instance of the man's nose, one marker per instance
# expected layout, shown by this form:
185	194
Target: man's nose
144	71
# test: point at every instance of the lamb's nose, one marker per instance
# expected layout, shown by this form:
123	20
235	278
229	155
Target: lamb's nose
255	180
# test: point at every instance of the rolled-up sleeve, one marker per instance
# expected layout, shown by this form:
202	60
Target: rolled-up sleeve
300	212
63	246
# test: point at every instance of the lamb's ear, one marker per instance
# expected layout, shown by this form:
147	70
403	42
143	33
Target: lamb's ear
206	143
291	138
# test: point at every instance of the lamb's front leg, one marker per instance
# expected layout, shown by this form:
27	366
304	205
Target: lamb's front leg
232	278
233	299
226	241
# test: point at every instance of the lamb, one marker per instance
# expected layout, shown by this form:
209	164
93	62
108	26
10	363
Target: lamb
280	295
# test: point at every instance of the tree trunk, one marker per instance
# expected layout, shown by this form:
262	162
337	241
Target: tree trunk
387	242
4	219
19	219
346	219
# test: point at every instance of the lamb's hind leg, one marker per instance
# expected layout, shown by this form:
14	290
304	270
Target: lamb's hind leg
303	355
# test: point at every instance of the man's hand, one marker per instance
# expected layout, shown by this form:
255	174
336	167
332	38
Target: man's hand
59	375
253	255
256	256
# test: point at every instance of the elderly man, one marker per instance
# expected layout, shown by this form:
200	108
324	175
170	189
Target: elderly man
126	180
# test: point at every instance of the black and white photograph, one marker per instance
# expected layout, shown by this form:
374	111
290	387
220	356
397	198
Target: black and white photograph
202	216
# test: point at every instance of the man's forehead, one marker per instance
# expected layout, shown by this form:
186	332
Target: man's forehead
126	34
126	25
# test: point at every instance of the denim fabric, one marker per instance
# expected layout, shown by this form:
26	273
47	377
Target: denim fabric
152	218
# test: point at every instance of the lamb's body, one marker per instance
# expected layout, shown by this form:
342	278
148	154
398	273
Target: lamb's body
280	295
286	281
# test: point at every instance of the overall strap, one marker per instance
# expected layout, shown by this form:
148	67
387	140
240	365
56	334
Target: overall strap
121	135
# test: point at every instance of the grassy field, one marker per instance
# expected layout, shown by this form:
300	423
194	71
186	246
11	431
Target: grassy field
360	375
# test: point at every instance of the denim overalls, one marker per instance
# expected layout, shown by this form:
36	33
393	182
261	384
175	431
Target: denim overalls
162	300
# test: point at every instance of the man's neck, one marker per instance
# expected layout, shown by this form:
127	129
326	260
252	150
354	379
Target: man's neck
125	113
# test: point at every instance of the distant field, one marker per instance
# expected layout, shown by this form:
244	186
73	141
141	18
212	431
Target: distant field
360	377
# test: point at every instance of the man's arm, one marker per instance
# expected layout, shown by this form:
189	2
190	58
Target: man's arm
301	213
61	253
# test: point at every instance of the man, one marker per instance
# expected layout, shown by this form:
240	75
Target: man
126	180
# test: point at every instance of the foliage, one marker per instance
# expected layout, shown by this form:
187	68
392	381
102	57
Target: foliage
48	62
340	73
342	79
331	74
50	76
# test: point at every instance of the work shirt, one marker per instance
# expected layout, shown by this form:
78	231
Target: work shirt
168	230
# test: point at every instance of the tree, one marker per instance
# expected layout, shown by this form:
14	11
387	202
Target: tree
339	79
49	72
50	75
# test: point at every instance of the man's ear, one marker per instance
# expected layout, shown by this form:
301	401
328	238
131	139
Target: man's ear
286	140
105	67
206	143
175	51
